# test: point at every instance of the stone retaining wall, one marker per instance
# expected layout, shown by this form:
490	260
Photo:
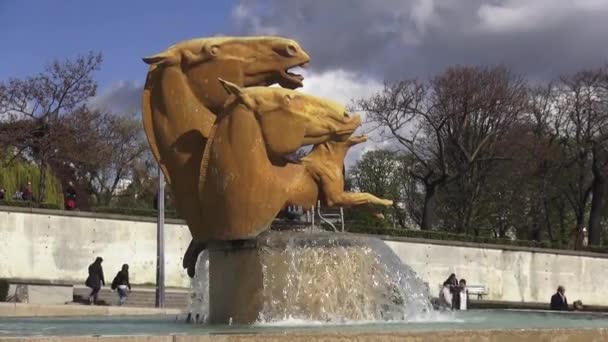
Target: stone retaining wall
53	246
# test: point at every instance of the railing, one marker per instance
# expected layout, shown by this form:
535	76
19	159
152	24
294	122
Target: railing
325	217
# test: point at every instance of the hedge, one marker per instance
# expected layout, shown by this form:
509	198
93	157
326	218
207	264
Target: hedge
30	204
134	212
444	236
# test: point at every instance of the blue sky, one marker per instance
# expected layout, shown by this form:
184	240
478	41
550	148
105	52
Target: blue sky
33	32
353	44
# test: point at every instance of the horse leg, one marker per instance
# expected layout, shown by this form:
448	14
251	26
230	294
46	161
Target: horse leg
353	199
191	256
335	196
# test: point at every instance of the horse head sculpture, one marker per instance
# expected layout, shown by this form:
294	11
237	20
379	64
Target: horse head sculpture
222	136
243	189
182	94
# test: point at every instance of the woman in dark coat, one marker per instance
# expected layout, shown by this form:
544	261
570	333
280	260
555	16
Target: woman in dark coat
95	279
121	283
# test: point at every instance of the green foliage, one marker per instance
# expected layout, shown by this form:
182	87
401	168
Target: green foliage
16	175
380	173
4	285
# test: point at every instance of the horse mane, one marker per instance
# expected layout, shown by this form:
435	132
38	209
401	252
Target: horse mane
151	108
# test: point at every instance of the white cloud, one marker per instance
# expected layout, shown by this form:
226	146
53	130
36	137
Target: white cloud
123	98
343	87
392	39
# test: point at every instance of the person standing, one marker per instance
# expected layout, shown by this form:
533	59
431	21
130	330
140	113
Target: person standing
2	194
95	279
559	301
28	193
463	295
70	197
121	284
446	295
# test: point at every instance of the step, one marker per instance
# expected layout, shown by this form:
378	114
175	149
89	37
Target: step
139	297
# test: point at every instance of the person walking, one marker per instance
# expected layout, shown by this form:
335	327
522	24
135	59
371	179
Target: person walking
121	284
95	279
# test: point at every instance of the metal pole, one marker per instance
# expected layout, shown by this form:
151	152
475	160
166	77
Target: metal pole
312	215
160	242
342	218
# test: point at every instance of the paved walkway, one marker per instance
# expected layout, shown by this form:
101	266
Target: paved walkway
139	297
40	310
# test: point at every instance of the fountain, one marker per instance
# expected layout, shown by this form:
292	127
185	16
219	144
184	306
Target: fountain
223	139
324	277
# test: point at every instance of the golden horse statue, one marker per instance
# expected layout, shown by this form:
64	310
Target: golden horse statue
223	148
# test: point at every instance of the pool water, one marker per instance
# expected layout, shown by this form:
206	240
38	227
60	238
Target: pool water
172	325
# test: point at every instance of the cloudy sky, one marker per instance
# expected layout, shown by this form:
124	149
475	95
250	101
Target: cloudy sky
354	44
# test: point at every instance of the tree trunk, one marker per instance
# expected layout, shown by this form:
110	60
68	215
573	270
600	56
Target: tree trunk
580	235
598	188
428	212
42	182
595	215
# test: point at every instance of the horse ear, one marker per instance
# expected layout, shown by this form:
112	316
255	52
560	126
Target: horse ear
235	90
159	58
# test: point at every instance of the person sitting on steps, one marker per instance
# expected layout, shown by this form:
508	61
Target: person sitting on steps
559	301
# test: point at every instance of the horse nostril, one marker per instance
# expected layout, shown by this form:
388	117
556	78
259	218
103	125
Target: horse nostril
291	50
346	115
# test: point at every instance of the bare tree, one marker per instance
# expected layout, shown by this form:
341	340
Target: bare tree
449	123
35	107
582	125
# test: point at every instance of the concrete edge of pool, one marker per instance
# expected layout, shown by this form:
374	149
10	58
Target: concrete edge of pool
523	335
46	310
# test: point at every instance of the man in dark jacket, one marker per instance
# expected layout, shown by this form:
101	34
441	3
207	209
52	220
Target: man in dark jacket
95	279
559	301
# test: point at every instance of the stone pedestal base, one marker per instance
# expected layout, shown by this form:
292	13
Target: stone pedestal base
235	282
320	277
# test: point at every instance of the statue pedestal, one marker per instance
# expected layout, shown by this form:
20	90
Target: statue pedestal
319	277
235	282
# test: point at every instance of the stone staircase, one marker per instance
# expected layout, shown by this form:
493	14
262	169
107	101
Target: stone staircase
139	297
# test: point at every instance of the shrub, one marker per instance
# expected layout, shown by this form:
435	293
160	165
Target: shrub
29	204
134	212
358	227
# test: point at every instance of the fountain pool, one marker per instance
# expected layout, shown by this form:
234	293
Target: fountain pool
474	320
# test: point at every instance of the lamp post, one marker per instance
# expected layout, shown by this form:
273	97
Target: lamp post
160	242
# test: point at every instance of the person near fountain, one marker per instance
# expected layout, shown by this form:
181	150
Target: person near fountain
446	296
95	279
559	301
121	284
463	295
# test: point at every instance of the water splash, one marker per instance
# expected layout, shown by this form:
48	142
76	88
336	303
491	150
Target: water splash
328	277
199	290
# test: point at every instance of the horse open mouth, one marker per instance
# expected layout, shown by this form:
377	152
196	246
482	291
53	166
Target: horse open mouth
292	80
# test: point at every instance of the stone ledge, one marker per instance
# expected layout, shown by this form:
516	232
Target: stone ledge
88	214
45	310
41	282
